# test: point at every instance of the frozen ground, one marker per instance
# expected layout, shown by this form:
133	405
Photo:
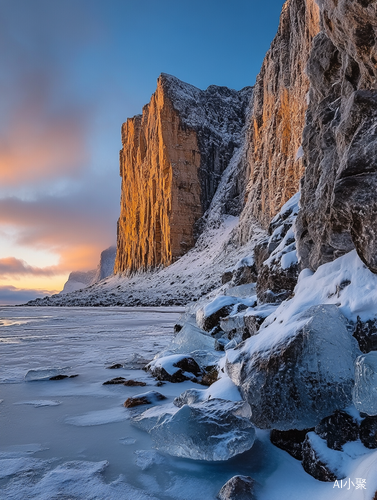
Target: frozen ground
72	439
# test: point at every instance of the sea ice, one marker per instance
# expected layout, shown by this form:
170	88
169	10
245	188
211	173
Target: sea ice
146	458
214	430
365	390
38	374
99	417
39	403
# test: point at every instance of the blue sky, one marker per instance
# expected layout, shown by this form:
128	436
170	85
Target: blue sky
71	72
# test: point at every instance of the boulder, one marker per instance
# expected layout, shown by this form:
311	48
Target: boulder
319	462
368	432
366	334
238	488
338	429
175	368
298	370
290	441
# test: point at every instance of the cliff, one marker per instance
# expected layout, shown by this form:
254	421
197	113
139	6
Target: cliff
171	163
338	201
273	155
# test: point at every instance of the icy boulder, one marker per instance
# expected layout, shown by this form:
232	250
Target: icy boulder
214	430
319	461
209	315
174	368
296	371
365	390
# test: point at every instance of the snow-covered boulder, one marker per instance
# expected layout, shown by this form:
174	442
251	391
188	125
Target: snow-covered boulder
338	429
297	370
175	368
209	316
365	390
321	462
214	430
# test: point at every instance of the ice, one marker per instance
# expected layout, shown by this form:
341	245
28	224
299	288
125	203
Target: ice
39	374
189	338
127	441
135	362
296	372
12	466
150	417
221	389
205	431
365	390
99	417
40	403
147	458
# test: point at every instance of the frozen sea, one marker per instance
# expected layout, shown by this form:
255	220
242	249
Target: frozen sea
72	439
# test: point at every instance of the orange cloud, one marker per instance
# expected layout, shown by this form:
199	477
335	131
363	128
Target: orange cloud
11	265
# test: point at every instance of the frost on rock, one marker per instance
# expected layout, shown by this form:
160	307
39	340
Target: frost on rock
298	371
365	390
214	430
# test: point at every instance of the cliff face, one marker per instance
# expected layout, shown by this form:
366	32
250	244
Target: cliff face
278	115
171	163
338	200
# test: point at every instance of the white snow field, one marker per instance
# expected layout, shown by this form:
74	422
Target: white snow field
72	439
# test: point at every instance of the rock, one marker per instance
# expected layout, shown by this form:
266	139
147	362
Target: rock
294	374
175	368
338	201
209	316
115	366
134	383
213	430
290	441
278	274
164	195
279	102
338	429
368	432
58	377
254	318
226	277
144	399
238	488
177	328
245	271
366	334
210	376
319	462
113	381
221	343
365	390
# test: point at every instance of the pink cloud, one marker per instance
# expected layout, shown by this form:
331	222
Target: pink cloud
11	266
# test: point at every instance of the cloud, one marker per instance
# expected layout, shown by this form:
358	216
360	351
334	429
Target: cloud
10	295
76	226
11	265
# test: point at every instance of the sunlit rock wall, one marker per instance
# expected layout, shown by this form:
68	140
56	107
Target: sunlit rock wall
171	163
278	115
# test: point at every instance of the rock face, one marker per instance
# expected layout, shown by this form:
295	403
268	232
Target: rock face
171	163
339	205
278	115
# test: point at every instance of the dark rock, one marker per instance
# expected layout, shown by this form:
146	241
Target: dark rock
226	277
276	284
114	381
368	432
316	467
290	441
261	253
213	320
115	366
210	376
177	328
134	383
338	429
73	376
58	377
245	274
144	399
238	488
366	335
185	367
